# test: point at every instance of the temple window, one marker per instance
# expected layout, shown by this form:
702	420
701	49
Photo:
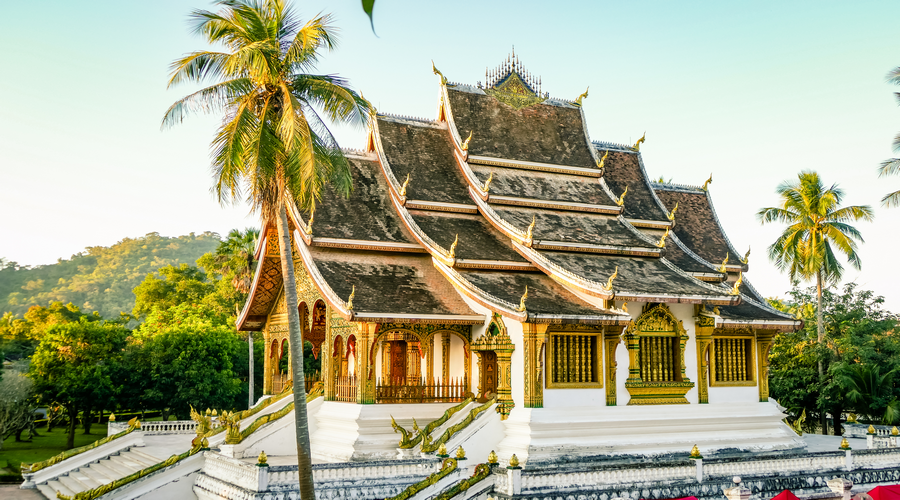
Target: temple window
660	358
731	361
574	361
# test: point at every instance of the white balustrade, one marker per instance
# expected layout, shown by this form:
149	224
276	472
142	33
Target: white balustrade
169	427
233	471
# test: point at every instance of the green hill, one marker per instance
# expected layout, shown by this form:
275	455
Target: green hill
100	278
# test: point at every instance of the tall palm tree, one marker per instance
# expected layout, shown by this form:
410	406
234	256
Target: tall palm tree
892	166
817	225
235	253
272	143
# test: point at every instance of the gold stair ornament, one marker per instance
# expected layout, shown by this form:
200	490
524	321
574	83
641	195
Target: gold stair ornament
460	453
871	429
845	445
492	458
442	451
695	453
262	460
112	417
514	461
895	431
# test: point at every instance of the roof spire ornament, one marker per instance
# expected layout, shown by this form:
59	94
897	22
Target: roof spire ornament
582	96
521	307
529	233
672	213
404	186
309	223
487	183
465	144
350	298
612	277
722	268
621	200
453	247
662	241
706	184
438	72
746	256
602	161
637	145
737	285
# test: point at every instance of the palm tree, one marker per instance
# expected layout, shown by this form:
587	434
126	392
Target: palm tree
235	253
892	166
817	225
272	143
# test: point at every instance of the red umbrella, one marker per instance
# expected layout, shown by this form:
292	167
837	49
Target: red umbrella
683	498
785	495
885	492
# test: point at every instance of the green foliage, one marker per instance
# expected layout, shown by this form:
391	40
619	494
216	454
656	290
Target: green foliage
170	286
892	166
99	279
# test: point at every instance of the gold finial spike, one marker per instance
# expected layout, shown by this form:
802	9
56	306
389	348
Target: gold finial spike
895	431
672	213
737	285
112	417
637	145
746	256
845	445
309	224
521	307
621	200
706	184
215	413
487	183
350	298
262	459
722	268
460	453
625	307
453	247
612	277
404	186
514	461
695	452
871	429
438	72
492	458
662	241
208	412
465	144
582	96
602	161
442	450
529	233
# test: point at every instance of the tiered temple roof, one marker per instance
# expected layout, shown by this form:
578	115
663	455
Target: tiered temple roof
504	192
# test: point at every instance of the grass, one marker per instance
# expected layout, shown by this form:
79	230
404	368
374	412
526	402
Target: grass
42	447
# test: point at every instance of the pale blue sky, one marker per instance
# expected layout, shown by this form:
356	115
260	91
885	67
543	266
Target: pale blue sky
750	91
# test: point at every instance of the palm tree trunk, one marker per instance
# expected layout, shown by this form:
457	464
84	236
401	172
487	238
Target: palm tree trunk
304	460
820	330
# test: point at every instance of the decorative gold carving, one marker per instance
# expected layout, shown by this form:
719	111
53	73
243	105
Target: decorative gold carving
637	145
493	459
763	344
672	213
460	453
438	72
746	256
656	341
404	186
465	144
262	460
695	453
736	290
514	461
453	247
529	233
350	298
621	200
521	307
581	97
612	343
534	336
707	183
487	183
499	342
602	161
309	224
514	92
703	328
662	241
609	283
722	268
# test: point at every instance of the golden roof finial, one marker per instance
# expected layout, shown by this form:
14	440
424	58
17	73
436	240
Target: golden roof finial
737	285
625	307
492	458
309	223
581	97
746	256
602	161
350	298
529	233
662	241
487	183
453	247
438	72
637	145
514	461
262	459
612	277
695	452
460	453
722	268
621	200
521	307
404	186
706	184
845	445
465	144
672	213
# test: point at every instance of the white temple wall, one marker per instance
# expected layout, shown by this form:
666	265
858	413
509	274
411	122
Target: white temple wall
457	356
378	360
622	396
685	313
438	356
561	398
733	394
517	364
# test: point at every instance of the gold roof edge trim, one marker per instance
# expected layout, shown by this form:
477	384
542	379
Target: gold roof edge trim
569	206
378	246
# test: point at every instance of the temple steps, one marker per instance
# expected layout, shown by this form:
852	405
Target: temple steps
98	473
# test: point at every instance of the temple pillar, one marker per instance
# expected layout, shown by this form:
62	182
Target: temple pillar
429	359
763	343
365	365
267	363
385	362
612	336
703	329
505	401
535	336
632	343
445	358
413	364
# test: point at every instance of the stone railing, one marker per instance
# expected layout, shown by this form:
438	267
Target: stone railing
879	457
169	427
811	462
862	430
578	479
245	475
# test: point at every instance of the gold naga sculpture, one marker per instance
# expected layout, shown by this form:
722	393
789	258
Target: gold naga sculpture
582	96
602	161
612	277
621	200
529	233
706	184
746	256
637	145
722	268
672	213
404	186
312	217
487	183
737	285
521	307
438	72
465	144
453	247
350	298
662	241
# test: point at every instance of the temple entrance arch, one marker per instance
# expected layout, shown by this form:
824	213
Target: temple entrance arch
487	385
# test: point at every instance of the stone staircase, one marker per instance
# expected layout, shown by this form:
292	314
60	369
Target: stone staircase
98	473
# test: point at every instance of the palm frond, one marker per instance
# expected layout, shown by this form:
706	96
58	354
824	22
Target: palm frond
852	213
891	200
211	99
889	167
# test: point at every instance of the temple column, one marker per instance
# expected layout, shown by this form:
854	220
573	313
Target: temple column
535	336
504	383
763	343
385	362
632	342
703	328
445	358
413	364
467	360
478	388
611	336
429	359
365	365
